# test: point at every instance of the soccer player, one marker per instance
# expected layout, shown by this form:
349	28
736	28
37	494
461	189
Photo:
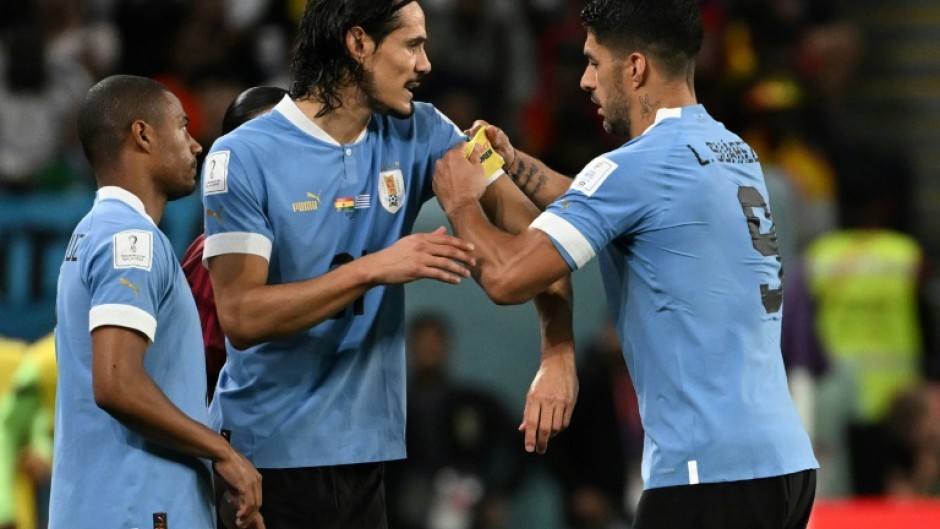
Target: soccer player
131	446
308	215
249	104
678	218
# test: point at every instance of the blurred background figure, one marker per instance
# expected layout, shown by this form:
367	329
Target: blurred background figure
786	71
865	283
464	463
27	409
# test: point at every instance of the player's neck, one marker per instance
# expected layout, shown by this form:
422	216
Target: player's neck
343	124
140	186
649	101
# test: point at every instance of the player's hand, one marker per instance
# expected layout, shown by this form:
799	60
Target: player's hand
550	401
434	255
228	506
498	139
457	180
241	486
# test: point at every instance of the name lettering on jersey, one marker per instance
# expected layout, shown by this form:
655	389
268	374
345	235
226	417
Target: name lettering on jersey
133	249
71	252
216	173
593	175
392	190
217	215
127	283
311	204
726	152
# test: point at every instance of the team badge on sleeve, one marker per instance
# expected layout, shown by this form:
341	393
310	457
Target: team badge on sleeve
133	249
593	175
216	173
392	190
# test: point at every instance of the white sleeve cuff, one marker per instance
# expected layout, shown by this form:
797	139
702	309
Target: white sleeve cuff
496	174
237	242
122	316
567	236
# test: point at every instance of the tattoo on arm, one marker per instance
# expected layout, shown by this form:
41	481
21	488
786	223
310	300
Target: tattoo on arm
523	178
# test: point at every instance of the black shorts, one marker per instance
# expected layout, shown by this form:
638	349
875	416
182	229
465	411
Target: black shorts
344	496
782	502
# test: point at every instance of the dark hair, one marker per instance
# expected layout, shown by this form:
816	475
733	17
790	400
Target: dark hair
668	30
321	64
109	109
249	104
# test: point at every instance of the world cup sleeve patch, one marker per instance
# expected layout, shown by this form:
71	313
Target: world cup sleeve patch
392	190
133	249
593	175
216	173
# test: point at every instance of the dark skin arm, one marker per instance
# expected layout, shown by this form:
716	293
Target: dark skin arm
552	395
124	390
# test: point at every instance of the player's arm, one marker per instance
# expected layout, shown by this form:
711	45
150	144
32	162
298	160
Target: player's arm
540	183
251	311
125	391
552	395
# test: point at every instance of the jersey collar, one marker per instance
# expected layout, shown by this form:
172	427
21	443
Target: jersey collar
125	196
289	109
664	113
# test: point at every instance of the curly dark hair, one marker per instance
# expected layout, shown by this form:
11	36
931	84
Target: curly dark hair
321	64
669	30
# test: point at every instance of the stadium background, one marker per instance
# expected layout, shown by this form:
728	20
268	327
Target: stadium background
843	79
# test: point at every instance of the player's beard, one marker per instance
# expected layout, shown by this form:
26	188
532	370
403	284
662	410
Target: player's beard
367	85
617	112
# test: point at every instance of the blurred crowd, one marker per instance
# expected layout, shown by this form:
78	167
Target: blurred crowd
858	339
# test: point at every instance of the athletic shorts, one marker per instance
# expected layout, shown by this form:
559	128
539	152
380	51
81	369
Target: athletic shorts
781	502
343	496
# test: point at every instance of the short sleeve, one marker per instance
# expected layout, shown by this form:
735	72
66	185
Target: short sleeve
127	275
234	200
603	203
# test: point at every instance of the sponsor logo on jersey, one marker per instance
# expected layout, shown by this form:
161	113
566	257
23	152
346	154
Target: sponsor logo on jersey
312	203
392	190
127	283
213	214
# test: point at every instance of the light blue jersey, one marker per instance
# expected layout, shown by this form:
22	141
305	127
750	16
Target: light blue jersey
679	219
120	270
280	188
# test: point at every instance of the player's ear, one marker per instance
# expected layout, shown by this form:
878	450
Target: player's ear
356	43
636	69
142	134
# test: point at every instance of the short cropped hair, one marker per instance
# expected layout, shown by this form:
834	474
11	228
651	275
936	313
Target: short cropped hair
321	65
109	109
667	30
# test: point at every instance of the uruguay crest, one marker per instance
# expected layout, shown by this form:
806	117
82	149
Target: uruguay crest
392	190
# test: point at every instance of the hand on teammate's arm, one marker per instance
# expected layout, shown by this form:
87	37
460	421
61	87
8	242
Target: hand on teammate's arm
511	269
541	184
251	311
124	390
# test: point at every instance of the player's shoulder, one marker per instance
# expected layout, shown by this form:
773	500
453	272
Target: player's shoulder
425	119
